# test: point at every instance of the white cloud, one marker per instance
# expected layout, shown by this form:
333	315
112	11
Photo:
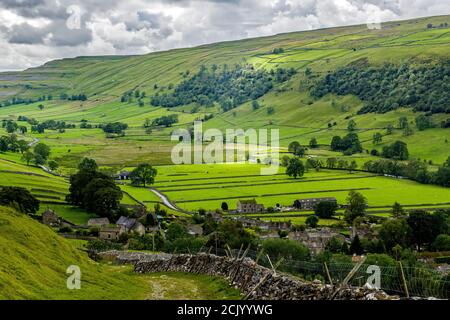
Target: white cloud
34	31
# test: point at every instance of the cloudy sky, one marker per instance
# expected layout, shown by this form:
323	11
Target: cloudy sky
35	31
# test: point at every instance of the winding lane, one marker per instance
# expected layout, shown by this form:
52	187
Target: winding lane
166	200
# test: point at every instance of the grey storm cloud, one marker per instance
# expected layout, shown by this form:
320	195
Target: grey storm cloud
26	34
55	34
141	26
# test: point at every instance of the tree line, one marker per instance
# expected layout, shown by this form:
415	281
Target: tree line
229	87
423	88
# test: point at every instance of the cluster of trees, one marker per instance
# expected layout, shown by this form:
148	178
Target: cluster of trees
130	95
423	122
349	144
230	87
36	127
166	121
16	100
39	155
397	150
425	87
61	126
413	169
11	143
94	191
297	149
73	97
11	126
143	174
335	163
278	50
418	229
296	168
19	198
117	128
63	96
86	125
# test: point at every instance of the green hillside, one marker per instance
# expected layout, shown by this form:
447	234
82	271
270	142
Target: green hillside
34	261
289	106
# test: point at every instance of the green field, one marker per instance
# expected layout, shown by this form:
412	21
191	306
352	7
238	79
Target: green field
295	114
207	186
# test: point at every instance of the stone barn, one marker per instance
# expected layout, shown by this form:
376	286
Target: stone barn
249	206
98	222
310	203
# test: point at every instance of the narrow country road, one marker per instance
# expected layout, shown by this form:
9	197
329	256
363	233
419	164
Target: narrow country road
165	200
35	141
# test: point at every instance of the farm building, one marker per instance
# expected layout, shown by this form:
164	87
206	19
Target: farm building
98	222
249	206
264	225
110	233
130	225
315	239
310	203
123	175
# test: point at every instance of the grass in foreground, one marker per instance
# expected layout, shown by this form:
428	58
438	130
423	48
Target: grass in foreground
34	260
166	286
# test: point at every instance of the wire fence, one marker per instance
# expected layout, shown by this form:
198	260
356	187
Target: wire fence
400	280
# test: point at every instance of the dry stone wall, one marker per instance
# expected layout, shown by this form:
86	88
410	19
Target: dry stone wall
254	281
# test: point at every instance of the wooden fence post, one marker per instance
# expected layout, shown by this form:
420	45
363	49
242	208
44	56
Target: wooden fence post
405	286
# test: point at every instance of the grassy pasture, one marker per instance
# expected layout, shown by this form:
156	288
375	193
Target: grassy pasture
296	115
207	186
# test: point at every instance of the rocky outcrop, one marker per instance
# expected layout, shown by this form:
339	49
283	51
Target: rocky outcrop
254	281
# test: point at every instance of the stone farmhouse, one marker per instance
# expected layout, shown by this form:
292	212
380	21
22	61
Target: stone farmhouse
123	225
315	239
98	222
264	225
110	233
249	206
123	175
130	225
310	203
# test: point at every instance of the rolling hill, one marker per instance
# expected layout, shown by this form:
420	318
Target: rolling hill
289	106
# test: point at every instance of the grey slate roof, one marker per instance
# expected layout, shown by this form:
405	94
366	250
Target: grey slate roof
126	222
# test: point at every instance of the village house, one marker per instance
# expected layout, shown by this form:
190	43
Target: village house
123	175
130	225
110	233
217	217
98	222
249	206
315	239
310	203
264	225
363	230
